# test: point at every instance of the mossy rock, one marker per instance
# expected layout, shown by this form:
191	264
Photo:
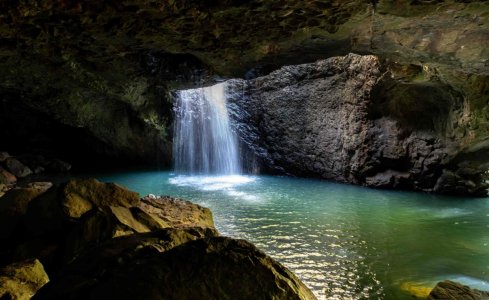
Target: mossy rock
22	280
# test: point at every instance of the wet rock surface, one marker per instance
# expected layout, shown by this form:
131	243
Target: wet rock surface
329	119
449	290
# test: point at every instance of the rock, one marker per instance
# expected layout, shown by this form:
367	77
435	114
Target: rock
57	165
449	290
177	213
345	119
206	268
22	280
17	168
14	204
4	156
6	177
43	185
80	195
416	290
83	213
39	170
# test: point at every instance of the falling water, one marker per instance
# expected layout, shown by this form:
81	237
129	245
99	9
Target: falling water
203	141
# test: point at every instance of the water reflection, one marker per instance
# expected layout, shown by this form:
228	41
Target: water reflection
344	242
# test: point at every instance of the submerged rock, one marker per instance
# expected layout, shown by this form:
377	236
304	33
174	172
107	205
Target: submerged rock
207	268
449	290
22	280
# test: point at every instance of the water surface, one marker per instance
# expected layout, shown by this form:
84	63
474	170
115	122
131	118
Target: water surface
342	241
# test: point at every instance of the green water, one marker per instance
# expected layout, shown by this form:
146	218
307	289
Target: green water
342	241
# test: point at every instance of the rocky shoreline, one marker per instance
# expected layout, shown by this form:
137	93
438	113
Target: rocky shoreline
87	239
100	240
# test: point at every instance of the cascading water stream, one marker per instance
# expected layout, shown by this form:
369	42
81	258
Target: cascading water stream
203	141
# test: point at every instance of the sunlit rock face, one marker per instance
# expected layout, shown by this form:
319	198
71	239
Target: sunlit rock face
346	119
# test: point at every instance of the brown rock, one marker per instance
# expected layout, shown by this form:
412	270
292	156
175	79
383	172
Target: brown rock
80	195
14	204
4	156
177	213
449	290
6	177
22	280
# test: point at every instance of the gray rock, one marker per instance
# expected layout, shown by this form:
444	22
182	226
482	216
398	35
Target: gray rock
17	168
4	156
343	119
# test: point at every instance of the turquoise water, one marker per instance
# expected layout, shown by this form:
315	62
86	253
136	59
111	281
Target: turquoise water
342	241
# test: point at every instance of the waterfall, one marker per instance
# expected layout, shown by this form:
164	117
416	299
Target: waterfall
203	141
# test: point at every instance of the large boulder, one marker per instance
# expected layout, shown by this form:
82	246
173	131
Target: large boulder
449	290
346	119
61	223
22	280
14	204
207	268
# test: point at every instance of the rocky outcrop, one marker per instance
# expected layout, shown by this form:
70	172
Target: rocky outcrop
332	119
99	240
449	290
93	80
207	268
22	280
57	224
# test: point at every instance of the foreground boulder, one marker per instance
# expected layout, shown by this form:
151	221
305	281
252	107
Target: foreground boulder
59	224
208	268
22	280
449	290
14	204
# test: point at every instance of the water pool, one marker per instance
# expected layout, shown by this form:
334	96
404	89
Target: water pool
343	241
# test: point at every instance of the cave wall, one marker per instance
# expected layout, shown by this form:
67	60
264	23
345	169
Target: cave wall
104	71
349	120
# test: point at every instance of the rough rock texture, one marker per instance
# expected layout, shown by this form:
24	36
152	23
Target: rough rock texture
333	119
93	79
13	205
17	168
22	280
100	241
207	268
58	225
177	213
449	290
